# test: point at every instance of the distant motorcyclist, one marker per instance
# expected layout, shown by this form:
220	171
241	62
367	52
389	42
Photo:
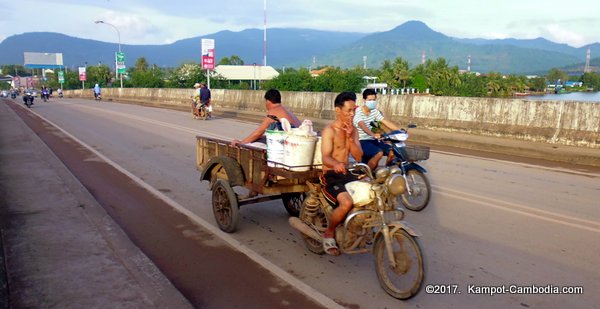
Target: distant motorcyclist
205	98
28	98
60	93
97	94
45	94
196	101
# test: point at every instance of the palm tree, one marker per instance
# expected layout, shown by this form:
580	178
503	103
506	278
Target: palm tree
401	70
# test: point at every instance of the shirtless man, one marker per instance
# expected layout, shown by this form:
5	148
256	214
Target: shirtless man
275	111
338	140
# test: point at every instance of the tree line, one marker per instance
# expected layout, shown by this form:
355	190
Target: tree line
434	76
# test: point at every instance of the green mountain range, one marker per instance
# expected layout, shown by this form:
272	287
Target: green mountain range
290	47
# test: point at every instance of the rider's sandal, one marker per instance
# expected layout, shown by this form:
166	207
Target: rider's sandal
330	246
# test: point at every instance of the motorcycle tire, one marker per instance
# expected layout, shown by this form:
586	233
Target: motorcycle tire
293	203
405	279
419	198
202	112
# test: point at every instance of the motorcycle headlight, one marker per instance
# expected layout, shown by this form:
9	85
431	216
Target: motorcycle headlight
396	184
381	174
394	169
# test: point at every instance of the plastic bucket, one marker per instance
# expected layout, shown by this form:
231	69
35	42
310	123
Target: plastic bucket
299	152
275	146
317	160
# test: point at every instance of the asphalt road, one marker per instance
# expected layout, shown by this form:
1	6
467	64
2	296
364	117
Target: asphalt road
490	222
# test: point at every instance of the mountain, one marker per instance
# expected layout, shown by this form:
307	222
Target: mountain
283	44
298	47
411	39
538	43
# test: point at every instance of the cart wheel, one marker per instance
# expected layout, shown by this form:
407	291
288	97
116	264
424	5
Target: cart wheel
225	206
293	202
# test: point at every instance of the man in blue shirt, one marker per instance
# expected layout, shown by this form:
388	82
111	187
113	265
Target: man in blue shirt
205	98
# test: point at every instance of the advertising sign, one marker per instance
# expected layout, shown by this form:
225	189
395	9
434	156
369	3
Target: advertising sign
43	60
61	77
82	76
120	59
208	54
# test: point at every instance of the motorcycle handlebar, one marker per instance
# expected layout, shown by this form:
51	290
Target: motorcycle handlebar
360	167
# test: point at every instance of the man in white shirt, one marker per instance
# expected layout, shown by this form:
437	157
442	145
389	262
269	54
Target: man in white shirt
373	149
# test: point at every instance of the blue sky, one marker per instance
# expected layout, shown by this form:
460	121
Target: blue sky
573	22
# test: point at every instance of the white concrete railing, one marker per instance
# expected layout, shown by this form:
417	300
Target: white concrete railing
568	123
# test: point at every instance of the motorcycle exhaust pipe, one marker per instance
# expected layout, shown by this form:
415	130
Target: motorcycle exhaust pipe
305	229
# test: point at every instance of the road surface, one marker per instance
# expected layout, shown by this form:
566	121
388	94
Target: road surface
490	223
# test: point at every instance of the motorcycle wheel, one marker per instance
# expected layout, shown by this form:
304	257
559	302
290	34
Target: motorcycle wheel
293	203
405	280
316	219
203	113
420	191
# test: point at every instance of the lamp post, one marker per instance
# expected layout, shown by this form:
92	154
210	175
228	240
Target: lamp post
120	76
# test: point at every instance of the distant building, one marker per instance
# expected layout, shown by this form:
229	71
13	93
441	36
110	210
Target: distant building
573	84
315	73
246	72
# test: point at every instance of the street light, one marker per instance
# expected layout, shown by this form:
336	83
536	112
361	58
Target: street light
119	35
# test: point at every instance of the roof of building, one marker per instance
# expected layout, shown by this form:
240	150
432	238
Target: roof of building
246	72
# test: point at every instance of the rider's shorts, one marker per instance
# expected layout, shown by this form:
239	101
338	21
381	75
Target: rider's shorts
333	184
371	147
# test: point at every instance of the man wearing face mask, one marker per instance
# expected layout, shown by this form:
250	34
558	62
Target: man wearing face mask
373	149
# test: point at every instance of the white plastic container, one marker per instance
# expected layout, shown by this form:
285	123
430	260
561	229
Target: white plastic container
317	159
299	151
275	146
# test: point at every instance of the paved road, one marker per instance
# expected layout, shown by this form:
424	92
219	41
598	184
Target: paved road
490	222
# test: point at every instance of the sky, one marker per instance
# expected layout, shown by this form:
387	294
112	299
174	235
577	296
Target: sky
575	22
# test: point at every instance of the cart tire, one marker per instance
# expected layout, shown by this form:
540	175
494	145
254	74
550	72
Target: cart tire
293	202
225	206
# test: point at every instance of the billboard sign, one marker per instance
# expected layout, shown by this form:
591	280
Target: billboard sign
82	76
43	60
208	54
16	82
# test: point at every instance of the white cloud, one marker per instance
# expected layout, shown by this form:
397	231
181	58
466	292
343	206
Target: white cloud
159	21
559	33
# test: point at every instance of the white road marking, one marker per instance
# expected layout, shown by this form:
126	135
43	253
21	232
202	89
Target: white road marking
521	209
553	169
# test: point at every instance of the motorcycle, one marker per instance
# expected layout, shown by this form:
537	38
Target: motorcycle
201	112
45	95
374	224
28	99
418	188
